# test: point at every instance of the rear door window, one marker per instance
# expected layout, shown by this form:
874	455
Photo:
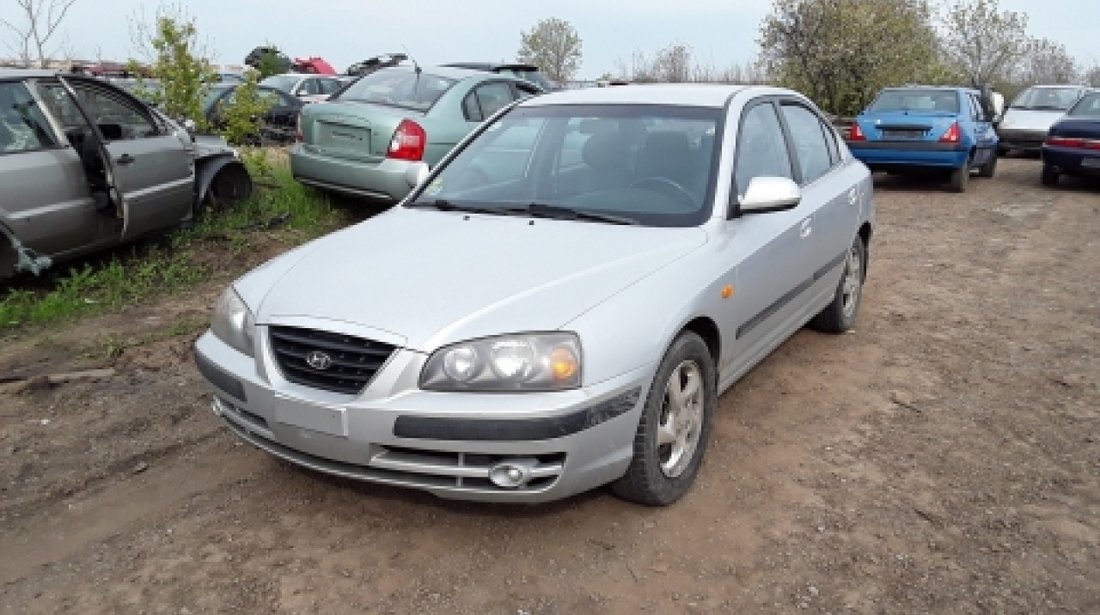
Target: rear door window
808	140
23	126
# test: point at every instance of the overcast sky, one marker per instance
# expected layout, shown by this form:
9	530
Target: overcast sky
720	32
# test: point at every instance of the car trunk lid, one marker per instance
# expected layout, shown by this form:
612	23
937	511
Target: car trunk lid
907	125
355	131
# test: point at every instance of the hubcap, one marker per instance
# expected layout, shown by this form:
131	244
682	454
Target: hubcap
681	419
853	278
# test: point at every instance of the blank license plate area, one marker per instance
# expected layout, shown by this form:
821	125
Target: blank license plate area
902	134
1092	163
342	135
329	420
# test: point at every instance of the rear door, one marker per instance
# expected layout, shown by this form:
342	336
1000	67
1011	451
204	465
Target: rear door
985	135
830	196
149	169
44	198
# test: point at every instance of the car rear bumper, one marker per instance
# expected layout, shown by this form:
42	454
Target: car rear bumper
1072	161
909	153
381	181
444	443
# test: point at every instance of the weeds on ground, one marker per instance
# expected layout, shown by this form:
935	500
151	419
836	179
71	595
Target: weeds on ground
279	206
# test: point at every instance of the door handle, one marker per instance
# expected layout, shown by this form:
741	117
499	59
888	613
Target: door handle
853	196
806	229
125	159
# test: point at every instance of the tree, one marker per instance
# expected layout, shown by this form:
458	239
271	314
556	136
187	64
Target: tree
1046	62
982	42
1092	76
841	52
177	62
554	46
40	21
242	119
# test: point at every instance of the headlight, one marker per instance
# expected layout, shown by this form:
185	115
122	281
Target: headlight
233	322
523	362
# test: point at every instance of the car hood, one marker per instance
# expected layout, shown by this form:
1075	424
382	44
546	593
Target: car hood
1030	119
432	278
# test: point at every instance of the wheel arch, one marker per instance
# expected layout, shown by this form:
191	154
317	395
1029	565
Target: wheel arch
707	329
234	174
865	232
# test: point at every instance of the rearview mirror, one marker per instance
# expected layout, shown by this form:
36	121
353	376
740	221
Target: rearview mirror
766	194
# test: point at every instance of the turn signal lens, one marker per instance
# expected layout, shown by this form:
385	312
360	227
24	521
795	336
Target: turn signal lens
563	363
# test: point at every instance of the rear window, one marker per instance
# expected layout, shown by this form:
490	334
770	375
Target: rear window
1047	99
281	82
916	100
1089	106
407	89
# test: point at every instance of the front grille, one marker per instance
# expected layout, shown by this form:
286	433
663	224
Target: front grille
353	361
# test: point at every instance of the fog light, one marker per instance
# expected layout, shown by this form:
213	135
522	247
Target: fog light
512	474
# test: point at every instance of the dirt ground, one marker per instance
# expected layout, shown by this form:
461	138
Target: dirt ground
942	458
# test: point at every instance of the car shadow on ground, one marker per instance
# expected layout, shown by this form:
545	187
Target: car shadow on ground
423	499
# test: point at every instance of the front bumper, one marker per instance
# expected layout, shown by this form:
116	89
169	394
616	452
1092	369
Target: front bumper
444	443
909	153
384	181
1021	138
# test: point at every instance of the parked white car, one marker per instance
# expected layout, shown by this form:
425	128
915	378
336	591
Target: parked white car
305	86
559	303
1028	119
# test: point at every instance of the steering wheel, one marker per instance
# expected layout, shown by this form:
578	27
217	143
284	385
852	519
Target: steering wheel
667	187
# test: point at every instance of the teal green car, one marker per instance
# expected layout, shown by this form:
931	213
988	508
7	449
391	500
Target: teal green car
371	139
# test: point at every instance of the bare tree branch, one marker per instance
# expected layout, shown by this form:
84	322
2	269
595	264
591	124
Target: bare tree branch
42	19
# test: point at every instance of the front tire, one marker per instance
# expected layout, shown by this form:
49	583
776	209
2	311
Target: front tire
840	315
675	424
990	166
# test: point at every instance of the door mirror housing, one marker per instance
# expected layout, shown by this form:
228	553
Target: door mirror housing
766	194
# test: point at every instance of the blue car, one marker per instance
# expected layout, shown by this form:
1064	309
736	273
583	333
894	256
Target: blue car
920	127
1072	146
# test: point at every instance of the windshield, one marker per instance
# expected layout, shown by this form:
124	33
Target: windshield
281	82
1047	99
916	100
1088	106
636	164
398	87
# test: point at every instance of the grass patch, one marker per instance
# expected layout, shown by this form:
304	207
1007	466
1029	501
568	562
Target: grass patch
281	211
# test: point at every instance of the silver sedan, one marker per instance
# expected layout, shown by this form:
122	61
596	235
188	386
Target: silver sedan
557	305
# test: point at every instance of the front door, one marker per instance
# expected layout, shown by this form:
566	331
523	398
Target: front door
149	172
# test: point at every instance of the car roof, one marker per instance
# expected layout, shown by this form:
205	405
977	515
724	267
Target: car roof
942	88
449	72
493	66
695	95
23	73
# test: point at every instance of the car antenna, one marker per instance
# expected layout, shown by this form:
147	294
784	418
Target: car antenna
408	54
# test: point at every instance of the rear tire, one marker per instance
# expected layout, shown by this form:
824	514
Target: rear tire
675	424
1049	176
990	166
840	315
960	177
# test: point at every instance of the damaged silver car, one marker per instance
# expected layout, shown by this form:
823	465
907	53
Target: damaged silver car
84	165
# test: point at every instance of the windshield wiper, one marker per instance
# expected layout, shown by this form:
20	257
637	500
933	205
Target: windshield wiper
557	212
445	205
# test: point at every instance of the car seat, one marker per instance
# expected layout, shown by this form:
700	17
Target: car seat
668	155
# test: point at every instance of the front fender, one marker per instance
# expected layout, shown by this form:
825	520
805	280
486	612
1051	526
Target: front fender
221	179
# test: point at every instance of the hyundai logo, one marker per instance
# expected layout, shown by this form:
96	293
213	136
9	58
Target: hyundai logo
318	359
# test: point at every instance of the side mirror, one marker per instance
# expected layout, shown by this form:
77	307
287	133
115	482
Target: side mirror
416	174
766	194
190	126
